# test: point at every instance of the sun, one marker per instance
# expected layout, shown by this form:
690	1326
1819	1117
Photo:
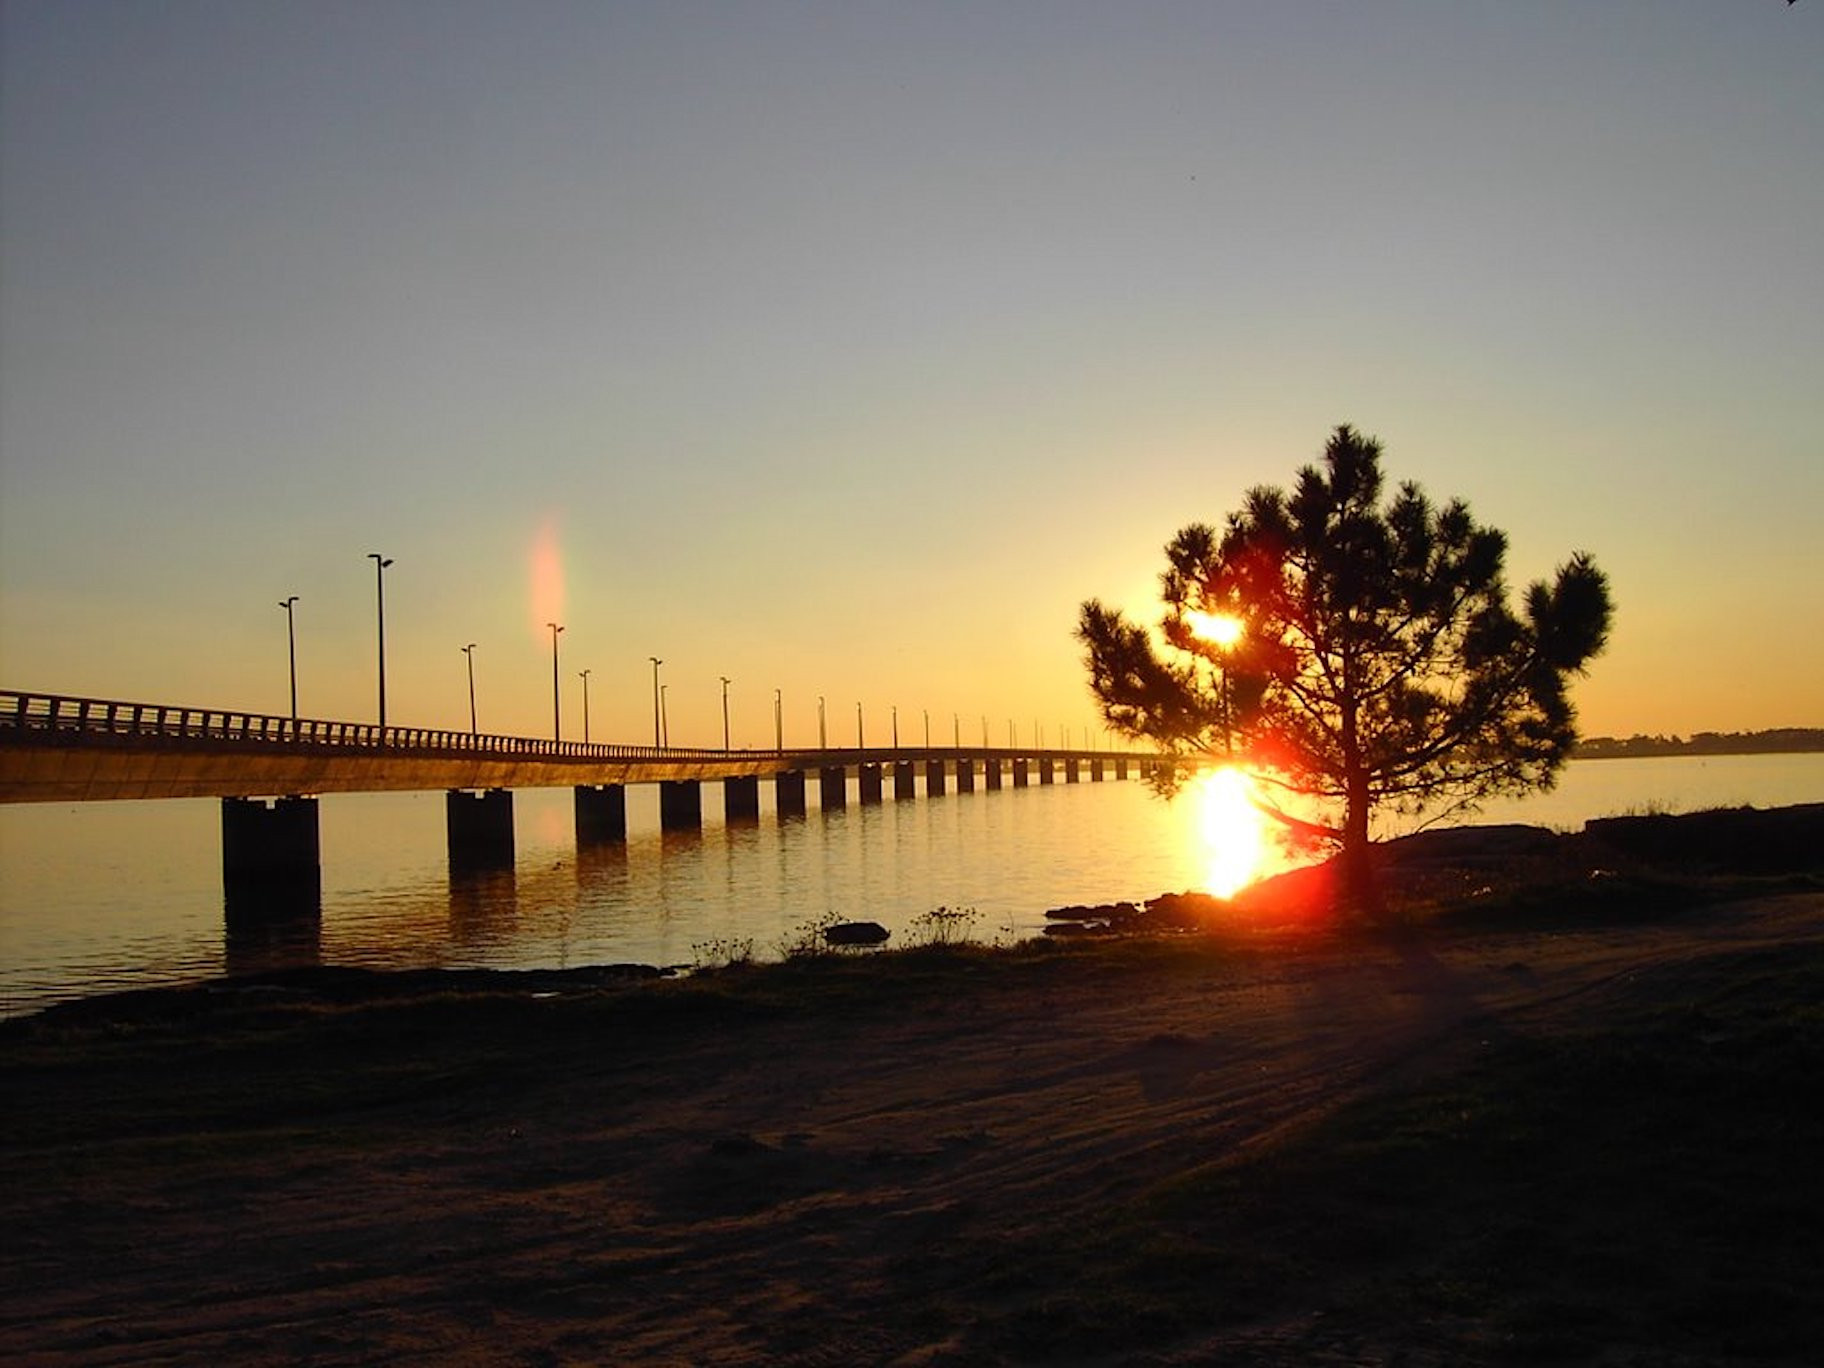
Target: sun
1219	628
1231	828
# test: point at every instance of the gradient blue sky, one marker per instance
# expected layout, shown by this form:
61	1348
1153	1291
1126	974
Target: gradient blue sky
845	348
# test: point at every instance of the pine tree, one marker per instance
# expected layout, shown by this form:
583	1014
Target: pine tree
1362	652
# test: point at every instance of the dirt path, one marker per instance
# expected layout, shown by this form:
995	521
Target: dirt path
757	1193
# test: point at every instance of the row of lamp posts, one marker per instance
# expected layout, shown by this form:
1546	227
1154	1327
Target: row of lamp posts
660	730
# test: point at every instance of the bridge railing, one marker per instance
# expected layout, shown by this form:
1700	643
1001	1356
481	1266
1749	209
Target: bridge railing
59	714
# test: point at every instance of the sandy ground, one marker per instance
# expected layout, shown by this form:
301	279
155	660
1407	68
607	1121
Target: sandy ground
757	1191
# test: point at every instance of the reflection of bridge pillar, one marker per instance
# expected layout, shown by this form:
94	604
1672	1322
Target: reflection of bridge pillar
991	773
832	786
965	776
934	778
268	846
1070	770
1044	764
1095	771
869	782
480	827
788	793
1019	774
741	798
680	805
905	784
601	814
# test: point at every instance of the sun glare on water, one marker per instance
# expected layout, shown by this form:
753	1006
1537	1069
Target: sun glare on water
1233	831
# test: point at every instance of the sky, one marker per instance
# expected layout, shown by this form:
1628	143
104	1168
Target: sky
844	349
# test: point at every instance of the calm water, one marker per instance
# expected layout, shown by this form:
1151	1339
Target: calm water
95	897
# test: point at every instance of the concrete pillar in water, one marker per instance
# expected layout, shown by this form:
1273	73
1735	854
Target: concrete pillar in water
680	805
601	814
1045	774
905	785
1070	770
269	846
934	779
1019	774
1095	771
741	798
480	827
1120	767
788	793
991	774
869	778
965	776
832	786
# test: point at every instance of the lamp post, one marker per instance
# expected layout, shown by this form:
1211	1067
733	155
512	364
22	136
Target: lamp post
556	729
778	720
725	683
469	651
664	714
860	744
380	564
927	729
895	709
658	730
584	675
291	651
823	735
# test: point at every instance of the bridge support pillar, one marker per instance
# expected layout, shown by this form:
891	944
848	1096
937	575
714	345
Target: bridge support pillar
1120	768
1070	770
1044	766
270	846
934	778
788	793
1095	771
480	827
991	774
741	798
965	775
905	784
1019	774
832	787
869	782
601	814
680	805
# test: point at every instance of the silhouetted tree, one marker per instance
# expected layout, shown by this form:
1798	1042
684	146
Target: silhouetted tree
1377	663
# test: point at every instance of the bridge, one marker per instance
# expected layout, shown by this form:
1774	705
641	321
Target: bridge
268	772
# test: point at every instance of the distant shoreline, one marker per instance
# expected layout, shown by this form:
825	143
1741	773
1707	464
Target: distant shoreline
1781	741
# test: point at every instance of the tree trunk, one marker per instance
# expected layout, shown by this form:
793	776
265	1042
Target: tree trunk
1359	886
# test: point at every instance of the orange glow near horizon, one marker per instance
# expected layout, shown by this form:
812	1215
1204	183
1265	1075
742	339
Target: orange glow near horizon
1233	831
546	599
1217	627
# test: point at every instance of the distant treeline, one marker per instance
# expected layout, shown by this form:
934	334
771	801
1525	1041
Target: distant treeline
1781	739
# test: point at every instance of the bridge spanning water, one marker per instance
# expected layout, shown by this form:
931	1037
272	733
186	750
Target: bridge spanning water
269	771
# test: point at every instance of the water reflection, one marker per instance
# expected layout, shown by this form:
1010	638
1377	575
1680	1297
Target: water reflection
271	925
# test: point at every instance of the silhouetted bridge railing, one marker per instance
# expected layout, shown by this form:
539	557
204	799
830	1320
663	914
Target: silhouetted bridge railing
55	748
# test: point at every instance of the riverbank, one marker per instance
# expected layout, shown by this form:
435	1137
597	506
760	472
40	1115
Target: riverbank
1503	1130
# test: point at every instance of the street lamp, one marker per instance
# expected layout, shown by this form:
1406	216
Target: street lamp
380	564
823	735
658	730
895	709
556	729
859	743
664	714
584	675
778	720
469	651
725	683
291	647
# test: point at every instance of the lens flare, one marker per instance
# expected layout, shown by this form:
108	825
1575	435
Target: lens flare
1233	831
547	579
